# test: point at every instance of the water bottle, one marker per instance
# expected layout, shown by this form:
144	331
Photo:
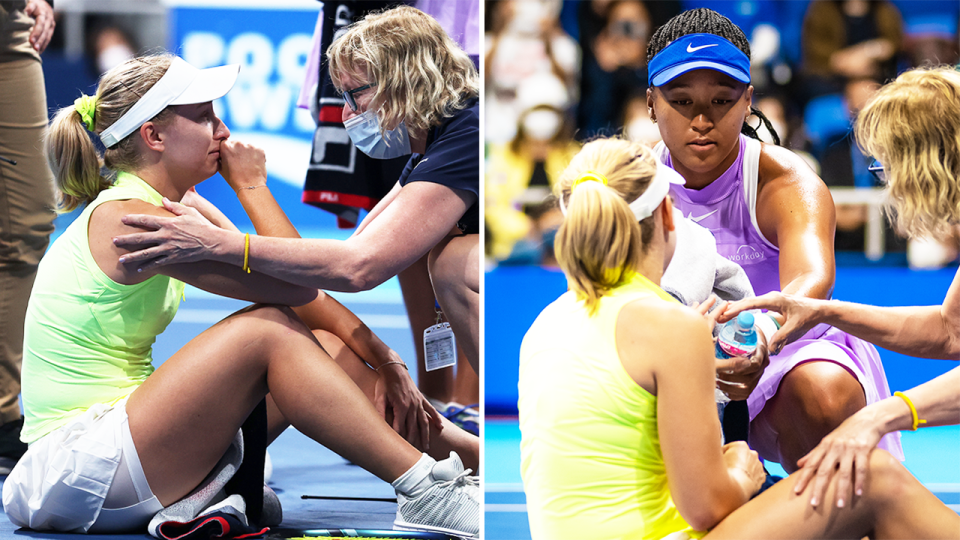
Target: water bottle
738	337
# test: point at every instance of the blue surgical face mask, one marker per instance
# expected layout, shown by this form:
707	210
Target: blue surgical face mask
364	131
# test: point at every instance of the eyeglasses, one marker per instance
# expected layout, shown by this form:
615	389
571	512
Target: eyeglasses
878	172
351	101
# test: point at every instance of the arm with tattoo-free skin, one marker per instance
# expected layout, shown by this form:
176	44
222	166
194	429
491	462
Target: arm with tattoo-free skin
420	216
667	349
218	278
846	451
244	169
921	331
796	213
384	202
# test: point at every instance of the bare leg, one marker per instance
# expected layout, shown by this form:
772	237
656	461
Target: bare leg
183	417
894	505
441	443
813	399
418	298
455	273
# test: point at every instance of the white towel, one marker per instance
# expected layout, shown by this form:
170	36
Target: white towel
696	270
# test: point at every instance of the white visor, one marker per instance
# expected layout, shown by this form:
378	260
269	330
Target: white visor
182	84
656	192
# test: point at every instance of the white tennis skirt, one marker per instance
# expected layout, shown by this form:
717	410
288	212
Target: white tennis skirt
61	482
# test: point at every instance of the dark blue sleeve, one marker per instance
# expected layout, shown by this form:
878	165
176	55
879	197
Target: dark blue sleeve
453	158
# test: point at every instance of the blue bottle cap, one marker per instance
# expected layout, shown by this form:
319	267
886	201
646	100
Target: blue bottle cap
745	320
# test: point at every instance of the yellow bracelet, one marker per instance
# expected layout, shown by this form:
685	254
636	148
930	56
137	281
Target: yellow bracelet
246	253
913	410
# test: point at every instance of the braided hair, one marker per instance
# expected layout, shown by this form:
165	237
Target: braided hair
707	21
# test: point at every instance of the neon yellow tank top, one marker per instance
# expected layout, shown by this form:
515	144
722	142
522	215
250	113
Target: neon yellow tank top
88	339
590	451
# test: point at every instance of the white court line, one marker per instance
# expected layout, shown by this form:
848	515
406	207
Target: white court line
514	508
943	488
490	487
211	316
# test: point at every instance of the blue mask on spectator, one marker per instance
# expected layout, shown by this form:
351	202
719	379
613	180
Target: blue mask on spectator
364	131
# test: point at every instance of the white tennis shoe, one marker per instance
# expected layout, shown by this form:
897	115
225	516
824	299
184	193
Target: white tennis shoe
448	502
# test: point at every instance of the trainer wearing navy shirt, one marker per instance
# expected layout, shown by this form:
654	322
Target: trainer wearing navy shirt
452	159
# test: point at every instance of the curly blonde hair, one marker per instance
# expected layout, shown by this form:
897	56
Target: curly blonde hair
912	126
73	158
421	75
600	243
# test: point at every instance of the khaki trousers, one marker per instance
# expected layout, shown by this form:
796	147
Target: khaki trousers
26	191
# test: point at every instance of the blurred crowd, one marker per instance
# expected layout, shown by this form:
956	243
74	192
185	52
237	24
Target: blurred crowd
558	73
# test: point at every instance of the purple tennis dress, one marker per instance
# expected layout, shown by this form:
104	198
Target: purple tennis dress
728	208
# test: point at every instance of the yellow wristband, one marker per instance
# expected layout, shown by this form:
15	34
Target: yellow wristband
246	253
913	410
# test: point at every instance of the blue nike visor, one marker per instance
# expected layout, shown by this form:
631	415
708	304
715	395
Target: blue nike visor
698	51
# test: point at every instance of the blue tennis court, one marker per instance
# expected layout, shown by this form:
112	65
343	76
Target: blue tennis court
515	295
300	466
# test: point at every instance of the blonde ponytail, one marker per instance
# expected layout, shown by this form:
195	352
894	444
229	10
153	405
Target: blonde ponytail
74	161
600	243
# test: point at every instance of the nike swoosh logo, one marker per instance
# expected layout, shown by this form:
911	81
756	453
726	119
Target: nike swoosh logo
691	48
701	218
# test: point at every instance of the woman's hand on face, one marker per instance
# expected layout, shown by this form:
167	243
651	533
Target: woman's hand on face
801	315
739	375
188	237
242	165
844	452
412	412
745	467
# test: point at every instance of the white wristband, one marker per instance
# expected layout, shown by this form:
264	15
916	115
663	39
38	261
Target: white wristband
766	324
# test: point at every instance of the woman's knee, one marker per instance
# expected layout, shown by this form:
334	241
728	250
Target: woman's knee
267	322
454	262
887	479
825	392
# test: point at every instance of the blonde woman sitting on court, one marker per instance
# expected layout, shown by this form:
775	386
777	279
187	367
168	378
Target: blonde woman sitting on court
620	437
112	441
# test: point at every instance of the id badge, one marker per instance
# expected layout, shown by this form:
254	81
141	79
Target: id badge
439	346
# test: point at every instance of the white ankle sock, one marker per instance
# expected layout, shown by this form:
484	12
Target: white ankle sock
417	478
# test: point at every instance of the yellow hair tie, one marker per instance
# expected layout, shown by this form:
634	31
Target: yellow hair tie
588	176
86	107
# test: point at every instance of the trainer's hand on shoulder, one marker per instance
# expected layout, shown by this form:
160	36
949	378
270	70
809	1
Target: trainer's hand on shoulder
744	467
187	237
844	452
41	12
242	165
412	412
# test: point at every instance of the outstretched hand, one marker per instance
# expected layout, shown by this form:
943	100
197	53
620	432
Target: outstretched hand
739	375
801	315
844	452
188	237
412	412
